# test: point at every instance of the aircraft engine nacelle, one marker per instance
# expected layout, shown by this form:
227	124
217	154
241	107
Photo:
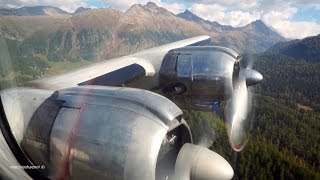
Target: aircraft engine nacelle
199	77
95	132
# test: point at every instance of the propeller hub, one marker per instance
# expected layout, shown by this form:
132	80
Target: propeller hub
252	77
199	163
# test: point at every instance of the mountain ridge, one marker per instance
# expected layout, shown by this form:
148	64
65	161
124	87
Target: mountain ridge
307	48
33	11
253	37
81	9
188	15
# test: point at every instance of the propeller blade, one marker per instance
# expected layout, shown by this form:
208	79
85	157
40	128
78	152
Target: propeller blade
236	115
238	106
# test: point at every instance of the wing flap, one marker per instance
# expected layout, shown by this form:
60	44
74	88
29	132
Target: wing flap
118	77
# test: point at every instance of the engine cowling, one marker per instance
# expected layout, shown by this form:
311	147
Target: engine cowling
106	133
199	77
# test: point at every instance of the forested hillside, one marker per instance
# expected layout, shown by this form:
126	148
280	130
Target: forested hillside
282	144
291	71
307	49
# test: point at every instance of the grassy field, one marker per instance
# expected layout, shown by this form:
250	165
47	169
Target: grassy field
16	78
65	66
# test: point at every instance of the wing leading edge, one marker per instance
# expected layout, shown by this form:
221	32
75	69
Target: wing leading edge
118	70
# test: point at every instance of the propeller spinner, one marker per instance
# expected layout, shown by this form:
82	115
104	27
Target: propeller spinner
238	106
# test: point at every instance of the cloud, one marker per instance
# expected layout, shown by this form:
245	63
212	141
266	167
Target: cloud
239	18
256	4
218	13
280	21
173	7
208	12
278	16
297	30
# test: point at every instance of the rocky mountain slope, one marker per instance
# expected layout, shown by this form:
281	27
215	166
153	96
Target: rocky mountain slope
96	33
254	37
187	15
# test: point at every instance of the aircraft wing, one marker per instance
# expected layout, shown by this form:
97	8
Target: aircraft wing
114	72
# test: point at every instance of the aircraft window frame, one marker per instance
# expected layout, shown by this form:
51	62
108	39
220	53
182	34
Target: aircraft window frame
16	150
204	65
184	65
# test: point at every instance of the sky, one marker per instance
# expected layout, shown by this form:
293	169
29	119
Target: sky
294	19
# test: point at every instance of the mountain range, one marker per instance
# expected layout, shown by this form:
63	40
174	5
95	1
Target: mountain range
104	33
38	11
254	37
32	11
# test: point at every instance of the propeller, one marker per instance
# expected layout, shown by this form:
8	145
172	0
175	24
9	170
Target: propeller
239	104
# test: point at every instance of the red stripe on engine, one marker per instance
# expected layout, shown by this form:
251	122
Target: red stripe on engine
71	141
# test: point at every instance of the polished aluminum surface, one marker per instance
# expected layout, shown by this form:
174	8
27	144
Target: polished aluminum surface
105	143
206	72
252	77
130	98
106	133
